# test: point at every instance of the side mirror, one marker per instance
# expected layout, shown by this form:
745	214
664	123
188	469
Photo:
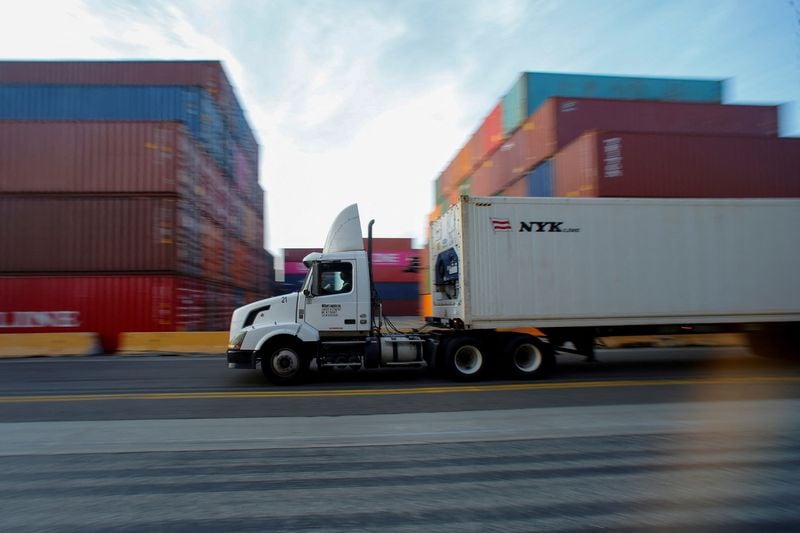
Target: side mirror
306	293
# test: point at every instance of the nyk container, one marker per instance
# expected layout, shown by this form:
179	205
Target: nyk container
51	234
533	88
648	164
111	304
594	262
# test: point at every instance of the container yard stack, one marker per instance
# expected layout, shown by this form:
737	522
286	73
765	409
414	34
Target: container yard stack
129	198
608	136
396	273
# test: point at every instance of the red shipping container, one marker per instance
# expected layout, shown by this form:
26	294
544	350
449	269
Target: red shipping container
490	133
482	183
518	187
96	157
212	250
401	307
609	164
207	74
561	120
394	260
106	305
499	173
573	116
96	234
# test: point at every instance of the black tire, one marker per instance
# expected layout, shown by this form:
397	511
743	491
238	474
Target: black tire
283	364
526	357
775	343
465	359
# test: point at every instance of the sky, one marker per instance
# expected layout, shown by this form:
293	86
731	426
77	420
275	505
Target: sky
366	101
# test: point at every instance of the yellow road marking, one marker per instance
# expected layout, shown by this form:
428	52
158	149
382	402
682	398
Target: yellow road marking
321	393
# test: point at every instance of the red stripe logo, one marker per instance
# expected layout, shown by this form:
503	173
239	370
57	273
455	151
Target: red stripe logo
501	224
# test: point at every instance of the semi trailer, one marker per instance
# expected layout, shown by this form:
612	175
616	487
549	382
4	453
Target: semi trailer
570	269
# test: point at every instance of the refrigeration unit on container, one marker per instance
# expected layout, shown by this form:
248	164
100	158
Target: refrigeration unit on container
111	304
646	164
532	88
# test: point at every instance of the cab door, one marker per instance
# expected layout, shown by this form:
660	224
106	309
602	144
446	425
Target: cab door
332	301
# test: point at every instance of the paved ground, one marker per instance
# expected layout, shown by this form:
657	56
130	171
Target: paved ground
657	440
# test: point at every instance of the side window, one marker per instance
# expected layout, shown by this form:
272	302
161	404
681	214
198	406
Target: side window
333	278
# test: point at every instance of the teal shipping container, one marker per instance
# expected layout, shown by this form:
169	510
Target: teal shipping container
533	88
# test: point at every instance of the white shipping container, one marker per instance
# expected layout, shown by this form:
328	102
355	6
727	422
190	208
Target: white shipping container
577	262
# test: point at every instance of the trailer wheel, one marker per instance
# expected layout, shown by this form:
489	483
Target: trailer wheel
283	364
527	357
464	359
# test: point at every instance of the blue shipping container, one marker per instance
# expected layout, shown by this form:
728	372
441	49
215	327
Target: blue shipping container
533	88
540	180
293	283
398	291
191	105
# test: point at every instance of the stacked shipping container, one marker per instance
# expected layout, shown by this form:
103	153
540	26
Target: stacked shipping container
129	179
582	135
396	270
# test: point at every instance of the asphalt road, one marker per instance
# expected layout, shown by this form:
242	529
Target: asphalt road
652	439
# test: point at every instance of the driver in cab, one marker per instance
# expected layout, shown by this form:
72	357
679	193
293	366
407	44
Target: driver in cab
329	285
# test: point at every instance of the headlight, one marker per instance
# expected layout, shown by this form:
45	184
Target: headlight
236	342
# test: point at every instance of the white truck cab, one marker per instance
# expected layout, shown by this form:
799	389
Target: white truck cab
329	321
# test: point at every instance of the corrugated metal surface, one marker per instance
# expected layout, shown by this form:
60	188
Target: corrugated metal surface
518	187
394	261
560	120
206	74
209	76
190	105
398	291
624	261
423	277
108	234
540	180
490	132
108	305
532	88
640	164
108	157
401	307
568	118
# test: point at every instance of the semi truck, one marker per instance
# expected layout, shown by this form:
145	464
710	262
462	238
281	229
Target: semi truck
516	281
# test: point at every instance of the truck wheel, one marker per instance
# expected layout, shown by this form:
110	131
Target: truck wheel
283	364
464	359
774	343
527	357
